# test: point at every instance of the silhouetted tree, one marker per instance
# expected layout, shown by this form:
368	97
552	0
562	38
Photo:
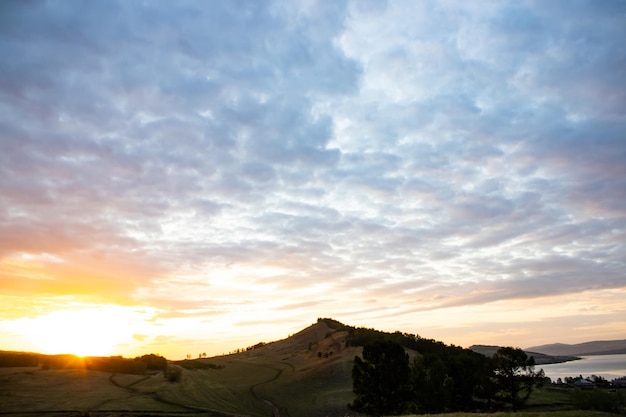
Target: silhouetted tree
467	373
381	380
153	362
116	364
442	378
514	372
431	384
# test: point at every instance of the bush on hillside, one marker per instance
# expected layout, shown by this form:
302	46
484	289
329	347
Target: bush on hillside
599	400
334	324
153	362
115	364
173	374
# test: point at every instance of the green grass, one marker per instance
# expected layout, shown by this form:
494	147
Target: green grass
226	390
318	391
37	390
550	397
570	413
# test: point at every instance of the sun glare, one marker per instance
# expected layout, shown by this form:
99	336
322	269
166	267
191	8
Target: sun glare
83	332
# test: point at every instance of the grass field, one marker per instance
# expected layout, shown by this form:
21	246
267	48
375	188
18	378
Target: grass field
572	413
37	390
227	390
305	375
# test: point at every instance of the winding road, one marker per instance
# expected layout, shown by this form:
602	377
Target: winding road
275	408
158	398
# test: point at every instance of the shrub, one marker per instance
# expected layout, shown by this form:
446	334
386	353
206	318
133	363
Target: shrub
598	400
153	362
173	374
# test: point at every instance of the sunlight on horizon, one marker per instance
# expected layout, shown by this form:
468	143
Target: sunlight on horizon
83	331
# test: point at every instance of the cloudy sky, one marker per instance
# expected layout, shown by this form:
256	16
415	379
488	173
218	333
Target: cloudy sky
185	177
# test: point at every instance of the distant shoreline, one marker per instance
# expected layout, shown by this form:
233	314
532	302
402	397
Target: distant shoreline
541	359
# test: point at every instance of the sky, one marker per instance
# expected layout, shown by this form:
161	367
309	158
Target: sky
198	176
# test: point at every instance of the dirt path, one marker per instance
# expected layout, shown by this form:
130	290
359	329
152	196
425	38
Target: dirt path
275	408
117	384
154	395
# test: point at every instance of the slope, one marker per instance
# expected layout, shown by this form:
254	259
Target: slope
307	374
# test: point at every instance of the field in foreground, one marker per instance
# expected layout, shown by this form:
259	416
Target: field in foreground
572	413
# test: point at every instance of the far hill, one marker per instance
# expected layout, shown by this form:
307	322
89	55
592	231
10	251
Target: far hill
603	347
540	358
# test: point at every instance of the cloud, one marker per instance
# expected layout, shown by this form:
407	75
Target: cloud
433	155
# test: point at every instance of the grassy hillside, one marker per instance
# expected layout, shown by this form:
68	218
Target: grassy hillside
307	374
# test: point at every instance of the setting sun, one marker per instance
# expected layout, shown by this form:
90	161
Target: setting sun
85	331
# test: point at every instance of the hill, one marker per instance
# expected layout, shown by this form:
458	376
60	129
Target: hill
308	374
304	374
606	347
540	358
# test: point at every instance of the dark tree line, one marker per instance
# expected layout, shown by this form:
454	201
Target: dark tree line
116	364
10	359
439	379
382	379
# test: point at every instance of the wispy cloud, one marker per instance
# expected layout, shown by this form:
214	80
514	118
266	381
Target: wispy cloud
347	159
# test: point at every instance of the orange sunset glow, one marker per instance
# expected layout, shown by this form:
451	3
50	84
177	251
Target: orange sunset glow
178	178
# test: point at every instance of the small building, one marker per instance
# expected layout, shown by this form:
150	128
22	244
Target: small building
584	383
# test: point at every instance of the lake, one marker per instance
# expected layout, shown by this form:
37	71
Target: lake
607	366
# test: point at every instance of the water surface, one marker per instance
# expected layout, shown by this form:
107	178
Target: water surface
607	366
